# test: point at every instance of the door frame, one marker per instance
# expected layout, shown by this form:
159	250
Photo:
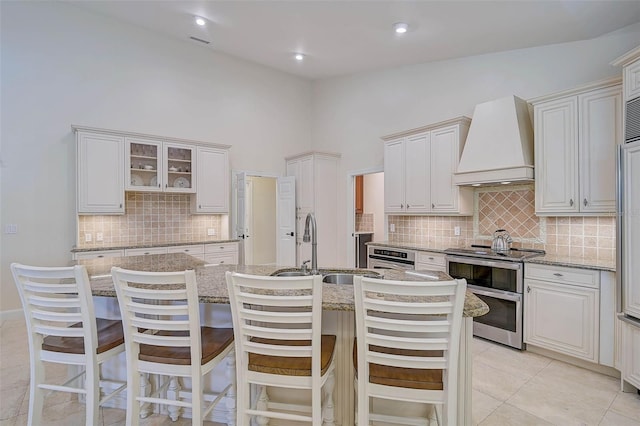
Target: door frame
351	210
234	201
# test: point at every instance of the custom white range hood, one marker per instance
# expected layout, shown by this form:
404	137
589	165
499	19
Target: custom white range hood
499	146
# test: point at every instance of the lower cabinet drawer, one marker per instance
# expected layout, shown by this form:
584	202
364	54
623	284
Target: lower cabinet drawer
193	250
145	251
221	248
230	258
573	276
97	254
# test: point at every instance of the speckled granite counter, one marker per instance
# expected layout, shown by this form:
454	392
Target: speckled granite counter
212	287
548	259
436	248
575	262
102	247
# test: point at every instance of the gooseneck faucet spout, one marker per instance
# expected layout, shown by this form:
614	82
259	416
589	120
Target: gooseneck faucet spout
311	222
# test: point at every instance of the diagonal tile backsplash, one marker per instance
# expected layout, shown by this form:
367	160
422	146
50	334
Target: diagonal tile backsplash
511	208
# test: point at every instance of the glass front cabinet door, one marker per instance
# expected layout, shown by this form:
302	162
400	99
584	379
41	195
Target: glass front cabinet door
179	163
144	164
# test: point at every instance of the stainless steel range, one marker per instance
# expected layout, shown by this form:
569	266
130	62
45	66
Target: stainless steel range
496	277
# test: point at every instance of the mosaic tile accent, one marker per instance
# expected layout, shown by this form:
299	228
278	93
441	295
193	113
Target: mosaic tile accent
364	222
150	218
512	209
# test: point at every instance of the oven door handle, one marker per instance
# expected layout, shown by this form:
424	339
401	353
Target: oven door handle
498	294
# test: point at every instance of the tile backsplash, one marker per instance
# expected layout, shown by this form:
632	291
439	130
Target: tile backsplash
511	208
150	218
364	222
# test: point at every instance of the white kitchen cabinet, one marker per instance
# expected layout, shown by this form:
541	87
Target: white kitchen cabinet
630	356
221	253
576	134
430	261
630	223
212	195
195	250
100	173
418	170
562	310
155	165
83	255
632	80
316	176
145	251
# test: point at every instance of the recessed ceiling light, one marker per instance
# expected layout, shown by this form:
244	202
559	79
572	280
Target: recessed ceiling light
400	27
299	56
201	21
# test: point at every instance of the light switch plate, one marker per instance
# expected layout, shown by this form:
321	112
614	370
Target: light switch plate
392	227
99	236
211	232
87	238
456	230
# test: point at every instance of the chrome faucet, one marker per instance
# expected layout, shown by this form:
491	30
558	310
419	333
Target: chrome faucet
311	219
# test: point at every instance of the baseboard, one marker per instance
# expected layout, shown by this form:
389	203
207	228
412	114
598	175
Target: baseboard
14	314
603	369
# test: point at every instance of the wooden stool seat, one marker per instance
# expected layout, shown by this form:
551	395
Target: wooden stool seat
110	335
414	378
214	342
288	366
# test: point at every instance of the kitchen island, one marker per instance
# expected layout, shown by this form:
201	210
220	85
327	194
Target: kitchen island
337	317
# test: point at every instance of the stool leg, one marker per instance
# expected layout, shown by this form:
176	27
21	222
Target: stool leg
262	405
231	394
133	405
328	415
36	395
92	387
172	393
145	390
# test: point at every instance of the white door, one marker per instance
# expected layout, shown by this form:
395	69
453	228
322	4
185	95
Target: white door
286	221
248	230
241	198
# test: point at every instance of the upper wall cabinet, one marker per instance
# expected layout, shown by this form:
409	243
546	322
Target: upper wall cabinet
112	162
418	170
159	166
212	173
100	173
576	133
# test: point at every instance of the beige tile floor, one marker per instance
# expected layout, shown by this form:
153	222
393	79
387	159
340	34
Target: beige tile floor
509	388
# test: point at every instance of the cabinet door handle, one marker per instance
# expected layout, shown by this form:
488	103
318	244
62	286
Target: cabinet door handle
571	202
158	185
408	206
433	206
401	206
528	289
120	205
431	258
199	206
186	250
585	202
558	274
221	262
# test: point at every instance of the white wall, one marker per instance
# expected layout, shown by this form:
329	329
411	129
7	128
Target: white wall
351	113
61	65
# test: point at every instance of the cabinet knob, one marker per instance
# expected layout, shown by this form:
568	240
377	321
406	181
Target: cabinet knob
558	274
571	202
199	206
585	202
431	258
120	205
408	206
528	289
221	262
433	206
222	248
401	206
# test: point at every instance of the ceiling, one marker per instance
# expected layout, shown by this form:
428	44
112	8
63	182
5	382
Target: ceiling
345	37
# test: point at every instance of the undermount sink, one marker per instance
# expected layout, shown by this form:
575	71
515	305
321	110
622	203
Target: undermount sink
328	276
346	278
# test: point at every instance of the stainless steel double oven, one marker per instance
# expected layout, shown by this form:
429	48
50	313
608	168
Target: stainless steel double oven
497	279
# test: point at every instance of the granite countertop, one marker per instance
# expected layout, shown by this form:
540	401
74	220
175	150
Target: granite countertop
432	247
548	259
212	287
100	248
575	262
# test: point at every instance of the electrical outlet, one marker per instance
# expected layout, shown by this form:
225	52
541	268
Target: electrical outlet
211	232
87	238
11	229
99	236
392	227
456	230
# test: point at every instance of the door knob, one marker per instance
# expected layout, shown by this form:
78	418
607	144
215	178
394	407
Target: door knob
290	233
